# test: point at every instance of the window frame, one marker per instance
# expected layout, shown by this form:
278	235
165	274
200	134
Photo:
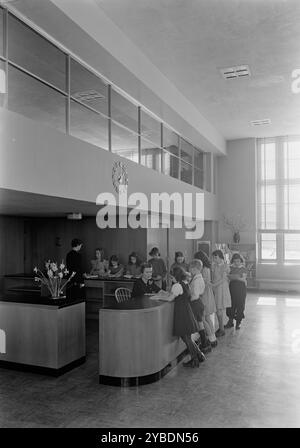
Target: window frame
280	182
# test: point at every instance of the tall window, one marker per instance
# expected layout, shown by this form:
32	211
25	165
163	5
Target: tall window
278	199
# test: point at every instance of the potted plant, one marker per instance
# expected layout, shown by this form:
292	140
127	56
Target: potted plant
54	278
236	224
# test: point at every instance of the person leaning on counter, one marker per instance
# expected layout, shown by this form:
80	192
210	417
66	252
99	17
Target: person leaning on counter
145	284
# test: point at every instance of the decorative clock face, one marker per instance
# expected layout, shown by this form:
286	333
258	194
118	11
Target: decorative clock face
119	177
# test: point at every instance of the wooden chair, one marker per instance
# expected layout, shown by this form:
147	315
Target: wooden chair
122	294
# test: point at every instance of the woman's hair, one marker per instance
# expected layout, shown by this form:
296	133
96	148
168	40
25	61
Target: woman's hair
101	252
179	254
218	253
237	257
154	251
134	254
145	266
200	255
196	264
76	242
113	258
179	274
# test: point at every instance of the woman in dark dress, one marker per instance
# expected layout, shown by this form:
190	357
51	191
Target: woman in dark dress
185	323
145	284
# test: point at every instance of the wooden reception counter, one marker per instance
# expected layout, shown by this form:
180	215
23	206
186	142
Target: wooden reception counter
136	342
42	335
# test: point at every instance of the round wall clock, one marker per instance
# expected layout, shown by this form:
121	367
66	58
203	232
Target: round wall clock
119	176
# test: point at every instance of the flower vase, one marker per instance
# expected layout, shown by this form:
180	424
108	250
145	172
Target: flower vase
236	237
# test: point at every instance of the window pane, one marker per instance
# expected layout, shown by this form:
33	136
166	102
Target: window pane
199	159
292	194
268	216
268	170
88	88
215	168
292	207
292	247
186	173
171	141
88	125
124	143
268	194
34	53
1	32
150	155
292	150
2	83
292	216
292	169
268	246
123	111
187	151
208	161
31	98
150	128
198	178
171	165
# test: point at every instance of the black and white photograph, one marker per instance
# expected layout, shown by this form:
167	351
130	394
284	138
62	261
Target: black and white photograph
149	217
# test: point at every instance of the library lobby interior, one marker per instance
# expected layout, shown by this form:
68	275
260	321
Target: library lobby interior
149	214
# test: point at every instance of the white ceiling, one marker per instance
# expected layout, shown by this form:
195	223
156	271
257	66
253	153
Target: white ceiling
189	41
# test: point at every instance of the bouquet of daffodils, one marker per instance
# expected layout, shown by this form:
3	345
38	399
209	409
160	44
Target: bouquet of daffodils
54	280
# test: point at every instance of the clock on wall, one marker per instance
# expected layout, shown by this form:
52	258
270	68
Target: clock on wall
119	176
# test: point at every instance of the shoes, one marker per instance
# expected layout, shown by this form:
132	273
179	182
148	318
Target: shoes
206	349
220	333
200	356
191	363
214	344
229	324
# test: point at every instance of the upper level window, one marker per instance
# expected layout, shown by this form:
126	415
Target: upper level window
1	33
34	53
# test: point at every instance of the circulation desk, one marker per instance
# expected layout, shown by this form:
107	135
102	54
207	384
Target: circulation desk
42	335
136	342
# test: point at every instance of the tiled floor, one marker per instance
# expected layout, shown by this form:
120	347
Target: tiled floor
250	380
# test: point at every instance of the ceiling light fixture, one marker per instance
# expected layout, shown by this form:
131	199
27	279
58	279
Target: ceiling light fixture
237	71
74	216
260	122
88	95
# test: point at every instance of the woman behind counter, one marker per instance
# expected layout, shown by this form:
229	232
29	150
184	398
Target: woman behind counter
179	263
134	266
115	268
159	268
99	265
145	284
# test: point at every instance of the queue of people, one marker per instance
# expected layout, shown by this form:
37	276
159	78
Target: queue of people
199	289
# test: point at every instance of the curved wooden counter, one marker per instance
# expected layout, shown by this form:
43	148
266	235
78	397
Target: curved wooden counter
136	342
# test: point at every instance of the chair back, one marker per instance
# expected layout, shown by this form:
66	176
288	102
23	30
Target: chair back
122	294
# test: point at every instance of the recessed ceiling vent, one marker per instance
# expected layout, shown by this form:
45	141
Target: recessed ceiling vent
88	95
238	71
260	122
74	216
